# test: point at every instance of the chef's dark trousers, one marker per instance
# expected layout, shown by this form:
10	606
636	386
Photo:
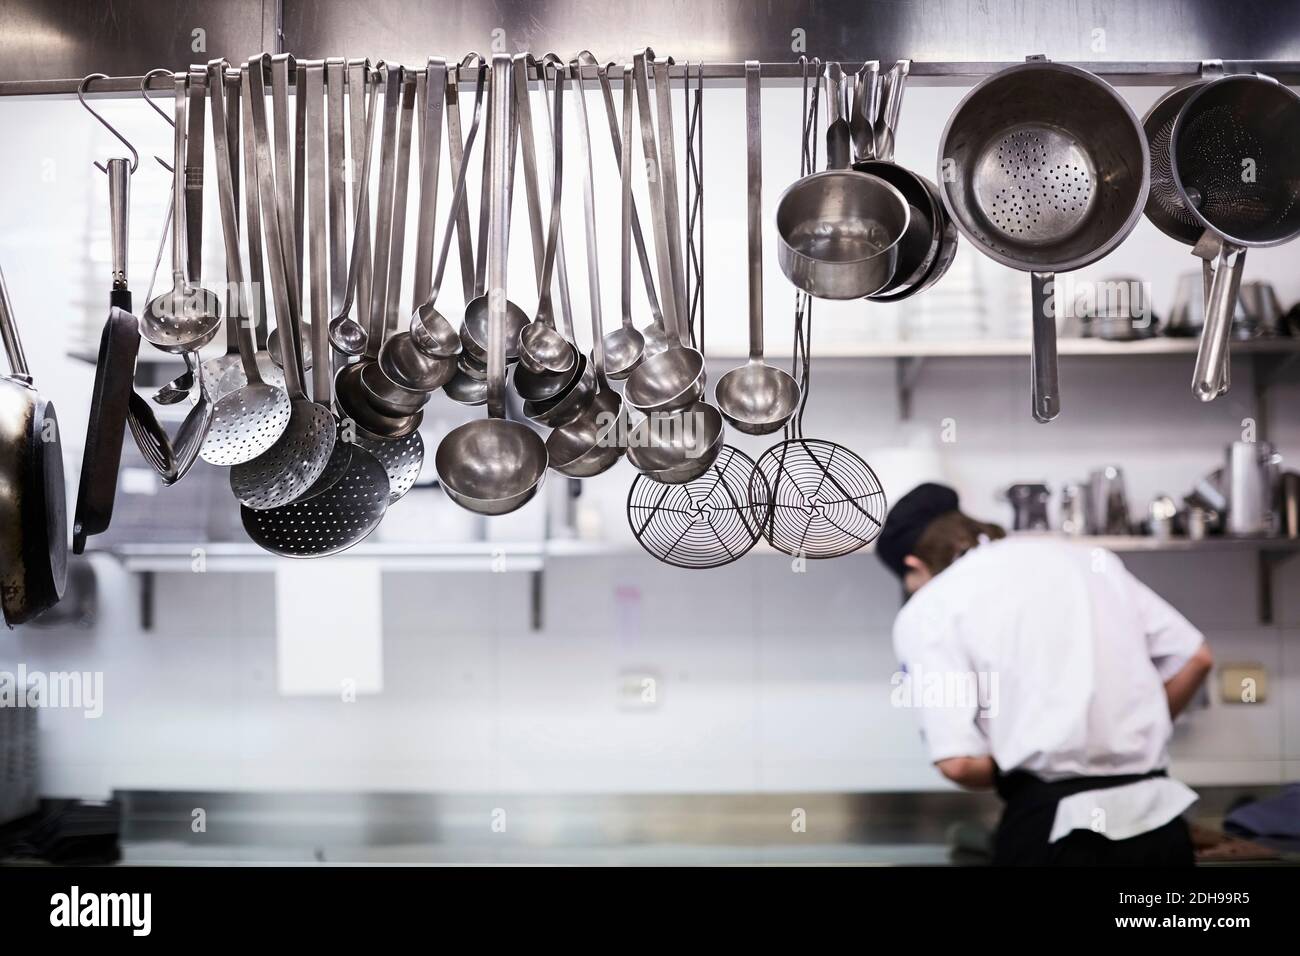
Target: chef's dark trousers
1030	811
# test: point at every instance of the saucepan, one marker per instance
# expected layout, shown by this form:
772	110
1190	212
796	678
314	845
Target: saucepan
839	230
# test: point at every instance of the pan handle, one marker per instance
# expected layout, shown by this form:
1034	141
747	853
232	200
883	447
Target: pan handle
119	192
838	134
1042	357
9	333
1210	378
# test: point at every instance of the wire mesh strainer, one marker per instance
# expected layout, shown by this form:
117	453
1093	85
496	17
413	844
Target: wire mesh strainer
704	523
1235	159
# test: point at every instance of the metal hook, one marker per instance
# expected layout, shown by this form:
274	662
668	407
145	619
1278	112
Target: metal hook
144	91
81	95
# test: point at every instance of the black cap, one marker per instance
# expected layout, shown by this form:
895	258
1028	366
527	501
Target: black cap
907	521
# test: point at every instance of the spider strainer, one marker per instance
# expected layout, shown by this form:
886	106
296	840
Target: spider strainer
1235	160
704	523
1044	167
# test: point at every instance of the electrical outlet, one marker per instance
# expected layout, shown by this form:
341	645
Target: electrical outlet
1243	683
639	690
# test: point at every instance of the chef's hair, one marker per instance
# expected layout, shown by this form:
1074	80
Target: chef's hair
949	536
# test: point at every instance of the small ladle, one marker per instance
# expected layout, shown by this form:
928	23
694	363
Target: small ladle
674	379
423	359
543	350
430	330
474	330
347	335
187	317
625	347
756	398
593	442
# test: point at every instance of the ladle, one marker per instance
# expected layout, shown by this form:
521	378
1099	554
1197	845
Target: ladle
347	335
593	442
675	378
656	337
473	332
186	317
493	466
625	347
424	357
542	350
756	398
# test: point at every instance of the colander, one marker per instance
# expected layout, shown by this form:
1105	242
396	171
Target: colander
1044	168
1235	160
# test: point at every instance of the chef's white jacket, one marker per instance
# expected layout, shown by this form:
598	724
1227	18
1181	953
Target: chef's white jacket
1051	657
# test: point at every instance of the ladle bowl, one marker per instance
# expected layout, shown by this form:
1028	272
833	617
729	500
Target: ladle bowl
624	350
387	396
491	466
594	441
474	333
184	319
542	350
433	334
674	449
757	398
410	367
670	381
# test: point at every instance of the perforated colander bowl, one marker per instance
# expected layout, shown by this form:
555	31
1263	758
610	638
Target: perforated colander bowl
1044	167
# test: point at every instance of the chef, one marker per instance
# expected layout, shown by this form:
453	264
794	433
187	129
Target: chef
1078	670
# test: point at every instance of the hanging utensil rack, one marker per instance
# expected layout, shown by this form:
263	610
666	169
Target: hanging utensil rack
925	73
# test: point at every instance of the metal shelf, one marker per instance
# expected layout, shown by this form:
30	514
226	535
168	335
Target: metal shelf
1268	355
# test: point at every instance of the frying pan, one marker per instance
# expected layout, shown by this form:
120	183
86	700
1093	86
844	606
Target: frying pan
114	391
33	510
1044	168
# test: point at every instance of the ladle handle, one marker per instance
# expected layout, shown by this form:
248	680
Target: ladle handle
1046	388
621	149
119	205
456	153
434	92
672	204
654	187
238	322
335	71
754	203
313	94
279	257
1210	378
458	207
360	226
627	211
194	175
838	136
498	235
394	77
361	121
178	178
589	208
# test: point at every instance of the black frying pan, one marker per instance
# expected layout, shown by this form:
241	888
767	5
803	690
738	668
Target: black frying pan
33	506
114	385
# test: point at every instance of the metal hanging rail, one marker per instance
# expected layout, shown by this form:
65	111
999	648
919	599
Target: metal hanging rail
934	73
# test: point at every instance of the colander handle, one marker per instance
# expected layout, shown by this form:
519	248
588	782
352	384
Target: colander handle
1210	380
1042	357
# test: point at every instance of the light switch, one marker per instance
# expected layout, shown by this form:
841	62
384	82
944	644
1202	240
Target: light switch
1243	683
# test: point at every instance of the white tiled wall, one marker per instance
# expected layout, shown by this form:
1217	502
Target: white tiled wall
767	679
